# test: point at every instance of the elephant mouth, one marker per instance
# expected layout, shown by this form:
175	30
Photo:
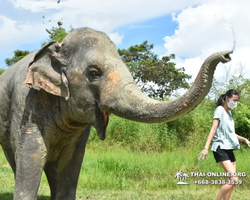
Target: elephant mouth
101	123
106	117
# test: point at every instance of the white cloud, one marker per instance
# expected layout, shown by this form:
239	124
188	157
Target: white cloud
36	6
14	34
116	38
103	15
206	29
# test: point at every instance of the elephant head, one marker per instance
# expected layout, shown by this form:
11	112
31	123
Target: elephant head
91	81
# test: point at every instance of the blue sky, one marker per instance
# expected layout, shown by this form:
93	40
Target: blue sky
153	30
192	30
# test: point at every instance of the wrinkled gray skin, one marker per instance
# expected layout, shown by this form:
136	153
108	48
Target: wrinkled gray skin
71	87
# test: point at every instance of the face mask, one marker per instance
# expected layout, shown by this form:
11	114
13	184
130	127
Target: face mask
232	104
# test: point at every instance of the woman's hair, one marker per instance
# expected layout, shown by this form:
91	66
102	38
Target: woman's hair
222	98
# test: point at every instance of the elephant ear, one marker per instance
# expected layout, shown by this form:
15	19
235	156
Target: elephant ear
46	71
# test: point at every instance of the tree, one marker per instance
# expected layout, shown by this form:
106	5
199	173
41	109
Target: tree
1	71
157	77
241	85
18	55
57	34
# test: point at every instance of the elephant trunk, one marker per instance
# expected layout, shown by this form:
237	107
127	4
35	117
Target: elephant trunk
129	102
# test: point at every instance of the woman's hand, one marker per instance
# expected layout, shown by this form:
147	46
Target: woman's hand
248	142
203	154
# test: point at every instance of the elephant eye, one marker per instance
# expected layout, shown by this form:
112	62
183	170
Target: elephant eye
93	73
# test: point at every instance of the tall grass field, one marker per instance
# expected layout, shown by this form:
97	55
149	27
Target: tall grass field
114	173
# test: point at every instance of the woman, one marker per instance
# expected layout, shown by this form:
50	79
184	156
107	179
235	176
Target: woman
225	140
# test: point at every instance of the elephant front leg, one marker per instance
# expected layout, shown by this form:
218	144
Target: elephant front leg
31	155
50	170
63	182
10	158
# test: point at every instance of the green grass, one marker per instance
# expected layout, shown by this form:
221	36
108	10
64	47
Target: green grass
115	173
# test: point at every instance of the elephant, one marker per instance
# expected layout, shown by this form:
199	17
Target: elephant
52	97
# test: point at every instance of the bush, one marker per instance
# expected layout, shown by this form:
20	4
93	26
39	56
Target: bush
192	129
241	117
135	136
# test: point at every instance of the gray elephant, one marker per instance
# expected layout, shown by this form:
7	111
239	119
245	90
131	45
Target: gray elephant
72	86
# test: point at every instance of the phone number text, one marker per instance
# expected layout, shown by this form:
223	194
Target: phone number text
218	182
